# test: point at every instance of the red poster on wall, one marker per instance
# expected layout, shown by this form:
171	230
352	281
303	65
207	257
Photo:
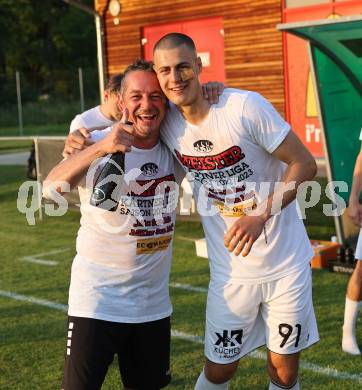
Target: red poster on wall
302	111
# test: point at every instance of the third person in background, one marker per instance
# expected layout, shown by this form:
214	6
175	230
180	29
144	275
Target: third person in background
354	288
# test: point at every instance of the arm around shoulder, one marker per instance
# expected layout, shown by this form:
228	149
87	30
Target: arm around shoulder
71	170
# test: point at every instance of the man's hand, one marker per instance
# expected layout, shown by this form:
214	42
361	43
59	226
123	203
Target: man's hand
355	213
121	138
212	90
243	233
76	141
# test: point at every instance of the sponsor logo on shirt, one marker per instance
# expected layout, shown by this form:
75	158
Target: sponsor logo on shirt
227	344
236	210
151	245
149	169
203	146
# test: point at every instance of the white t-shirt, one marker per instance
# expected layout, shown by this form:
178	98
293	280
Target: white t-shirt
224	156
121	270
90	119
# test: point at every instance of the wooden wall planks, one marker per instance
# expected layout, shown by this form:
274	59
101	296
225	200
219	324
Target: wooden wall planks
253	46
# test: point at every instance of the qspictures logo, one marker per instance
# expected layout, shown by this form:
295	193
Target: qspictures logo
228	343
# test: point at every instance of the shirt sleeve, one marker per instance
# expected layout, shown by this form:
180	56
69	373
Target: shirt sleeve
360	135
76	123
264	124
97	135
179	171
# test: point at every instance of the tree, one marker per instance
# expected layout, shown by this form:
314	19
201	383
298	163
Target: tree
46	40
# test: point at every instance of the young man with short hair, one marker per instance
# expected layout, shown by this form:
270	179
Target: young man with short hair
99	117
230	151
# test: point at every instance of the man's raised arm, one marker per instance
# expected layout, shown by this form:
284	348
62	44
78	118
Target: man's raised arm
72	169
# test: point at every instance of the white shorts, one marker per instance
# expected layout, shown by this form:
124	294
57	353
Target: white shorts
243	317
358	253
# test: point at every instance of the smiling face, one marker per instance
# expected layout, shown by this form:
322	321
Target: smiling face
177	71
142	96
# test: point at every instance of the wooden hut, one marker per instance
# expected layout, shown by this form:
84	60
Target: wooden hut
239	44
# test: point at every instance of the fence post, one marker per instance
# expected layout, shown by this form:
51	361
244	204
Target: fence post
20	108
81	90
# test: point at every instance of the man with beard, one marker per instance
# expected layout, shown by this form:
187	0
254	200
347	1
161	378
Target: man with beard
119	297
245	164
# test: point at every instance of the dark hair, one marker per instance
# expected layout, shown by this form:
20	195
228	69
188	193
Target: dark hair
172	40
114	83
139	64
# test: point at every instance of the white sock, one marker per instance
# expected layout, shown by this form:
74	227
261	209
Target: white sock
204	384
349	342
275	386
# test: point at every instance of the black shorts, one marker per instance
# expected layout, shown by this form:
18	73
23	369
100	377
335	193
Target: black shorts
143	353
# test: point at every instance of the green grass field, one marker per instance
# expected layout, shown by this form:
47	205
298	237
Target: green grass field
43	130
32	335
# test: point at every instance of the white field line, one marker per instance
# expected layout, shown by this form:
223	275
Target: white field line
31	259
37	257
187	337
36	301
326	371
183	238
188	287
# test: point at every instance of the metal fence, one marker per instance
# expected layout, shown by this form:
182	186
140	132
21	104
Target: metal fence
25	109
